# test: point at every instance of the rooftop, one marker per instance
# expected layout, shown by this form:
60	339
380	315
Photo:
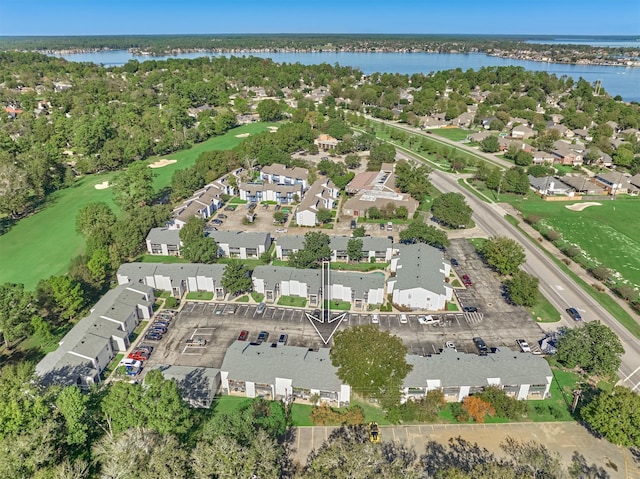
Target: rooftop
420	265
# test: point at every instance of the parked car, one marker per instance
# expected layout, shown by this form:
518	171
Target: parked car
230	208
265	206
382	226
389	226
161	324
524	346
466	280
375	319
222	216
282	340
217	222
261	307
244	334
575	315
277	207
263	336
131	371
158	330
403	319
316	314
454	262
133	363
353	224
470	309
428	319
481	345
281	230
374	432
153	336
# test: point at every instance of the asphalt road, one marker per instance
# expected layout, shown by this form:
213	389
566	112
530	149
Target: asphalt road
561	290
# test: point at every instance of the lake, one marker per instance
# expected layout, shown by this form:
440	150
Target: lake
623	81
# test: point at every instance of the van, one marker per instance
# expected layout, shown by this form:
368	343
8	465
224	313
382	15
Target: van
131	363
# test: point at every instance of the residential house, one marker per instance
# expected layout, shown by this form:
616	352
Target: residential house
635	180
562	130
583	134
613	183
522	132
458	375
203	203
323	194
420	278
603	159
479	136
506	143
372	247
241	244
548	185
282	194
178	279
283	175
284	373
486	122
583	185
464	120
434	121
86	350
164	241
542	157
565	155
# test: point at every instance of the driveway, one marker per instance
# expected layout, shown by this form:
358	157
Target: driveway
566	438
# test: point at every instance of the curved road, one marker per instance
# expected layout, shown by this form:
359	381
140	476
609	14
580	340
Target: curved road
561	290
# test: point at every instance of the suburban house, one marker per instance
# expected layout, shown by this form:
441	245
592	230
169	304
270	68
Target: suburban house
464	120
282	194
433	121
522	132
203	203
86	350
562	130
479	136
322	195
635	180
198	386
419	281
178	278
164	241
234	244
583	185
376	189
282	373
542	158
326	142
565	155
283	175
359	289
372	247
615	183
549	185
458	375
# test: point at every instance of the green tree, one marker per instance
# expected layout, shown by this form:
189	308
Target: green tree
236	278
324	215
503	254
94	216
490	144
279	217
522	288
616	415
269	110
67	294
451	209
352	161
196	246
134	187
413	178
371	361
72	404
17	306
380	153
358	232
354	249
594	348
316	249
419	231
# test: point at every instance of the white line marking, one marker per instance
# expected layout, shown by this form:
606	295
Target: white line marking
635	371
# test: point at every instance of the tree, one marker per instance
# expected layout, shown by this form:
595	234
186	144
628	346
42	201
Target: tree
477	408
14	190
196	246
236	278
17	306
316	249
490	144
522	288
358	232
324	215
503	404
94	216
413	178
72	404
134	187
380	153
352	161
279	217
269	110
372	362
594	348
354	249
503	254
419	231
615	414
451	209
67	295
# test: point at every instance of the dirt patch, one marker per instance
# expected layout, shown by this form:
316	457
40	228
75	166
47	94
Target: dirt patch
161	163
102	186
243	135
582	206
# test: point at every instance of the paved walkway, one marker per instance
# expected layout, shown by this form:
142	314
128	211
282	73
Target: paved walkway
566	438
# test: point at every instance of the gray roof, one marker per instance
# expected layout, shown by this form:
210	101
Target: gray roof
164	236
136	272
459	369
548	182
198	385
262	364
358	282
282	170
291	242
240	239
419	266
276	274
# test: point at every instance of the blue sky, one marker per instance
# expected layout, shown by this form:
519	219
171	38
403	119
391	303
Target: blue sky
116	17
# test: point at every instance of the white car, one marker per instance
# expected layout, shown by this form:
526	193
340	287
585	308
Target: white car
375	319
524	346
131	363
428	319
403	319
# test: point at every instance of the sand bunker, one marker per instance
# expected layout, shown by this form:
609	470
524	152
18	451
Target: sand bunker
161	163
273	129
582	206
243	135
102	186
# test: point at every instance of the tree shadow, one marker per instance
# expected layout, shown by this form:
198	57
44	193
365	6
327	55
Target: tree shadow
460	454
583	470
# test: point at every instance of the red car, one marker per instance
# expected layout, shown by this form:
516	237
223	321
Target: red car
244	334
466	280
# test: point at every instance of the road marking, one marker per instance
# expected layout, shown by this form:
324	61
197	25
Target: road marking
635	371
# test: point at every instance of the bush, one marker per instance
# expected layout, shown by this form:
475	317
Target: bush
552	235
504	405
627	292
572	251
601	273
532	219
170	302
327	416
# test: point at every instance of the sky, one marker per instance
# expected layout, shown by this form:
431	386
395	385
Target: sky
119	17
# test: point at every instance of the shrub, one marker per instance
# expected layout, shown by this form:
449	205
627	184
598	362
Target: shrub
325	416
532	219
504	405
571	251
600	272
627	292
552	235
170	302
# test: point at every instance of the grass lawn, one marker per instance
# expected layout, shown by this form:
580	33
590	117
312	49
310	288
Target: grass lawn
452	307
43	244
543	311
340	305
257	297
301	414
358	266
372	412
201	295
113	365
609	233
237	201
224	404
243	299
292	301
454	134
152	258
249	263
